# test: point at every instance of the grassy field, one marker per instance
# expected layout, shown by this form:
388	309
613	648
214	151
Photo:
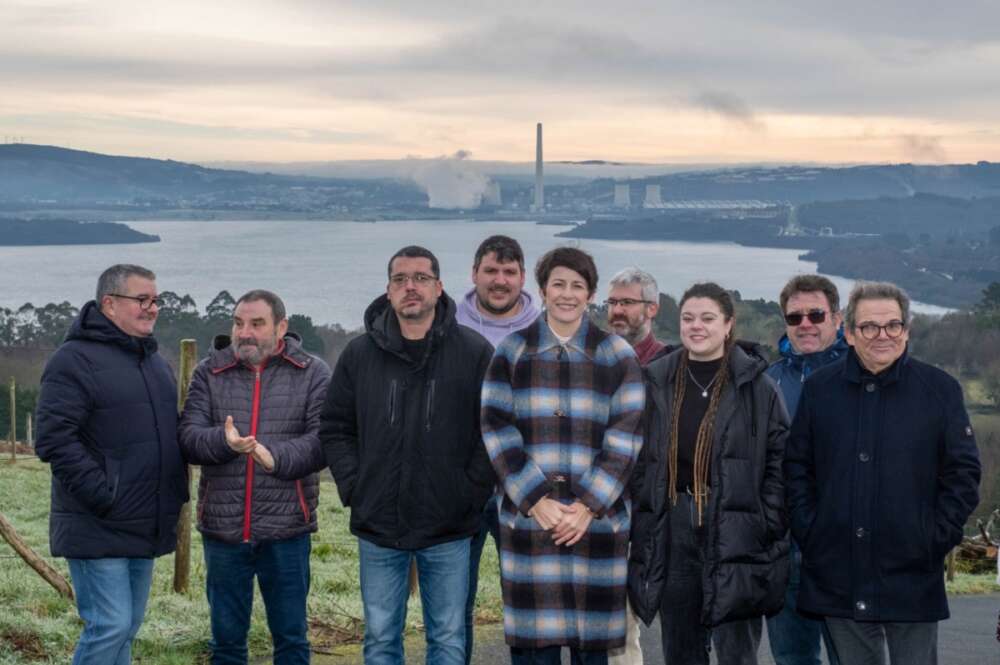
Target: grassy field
38	626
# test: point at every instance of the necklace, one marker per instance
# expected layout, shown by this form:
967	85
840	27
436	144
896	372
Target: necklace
704	389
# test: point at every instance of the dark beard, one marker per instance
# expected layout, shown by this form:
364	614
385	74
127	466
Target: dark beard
495	311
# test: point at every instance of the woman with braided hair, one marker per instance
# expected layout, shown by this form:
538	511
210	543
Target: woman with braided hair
709	548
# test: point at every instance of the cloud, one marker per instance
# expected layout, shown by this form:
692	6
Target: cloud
730	107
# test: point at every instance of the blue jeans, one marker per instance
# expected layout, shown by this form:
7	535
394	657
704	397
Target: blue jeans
111	598
488	525
443	572
795	638
282	571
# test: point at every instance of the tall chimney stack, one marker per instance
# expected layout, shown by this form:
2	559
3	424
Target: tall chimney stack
539	182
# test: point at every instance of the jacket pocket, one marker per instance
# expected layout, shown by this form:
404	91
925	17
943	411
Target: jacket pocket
302	500
393	398
112	471
429	411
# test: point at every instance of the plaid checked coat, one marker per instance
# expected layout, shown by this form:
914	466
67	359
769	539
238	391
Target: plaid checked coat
564	422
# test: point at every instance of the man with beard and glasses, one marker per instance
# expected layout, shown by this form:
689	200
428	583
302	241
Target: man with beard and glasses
496	306
633	302
251	421
400	430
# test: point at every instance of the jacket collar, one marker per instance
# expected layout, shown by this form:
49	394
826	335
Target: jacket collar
746	362
383	326
855	372
805	362
92	325
223	356
581	340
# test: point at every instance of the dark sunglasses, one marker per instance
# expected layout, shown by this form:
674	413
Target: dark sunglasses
815	316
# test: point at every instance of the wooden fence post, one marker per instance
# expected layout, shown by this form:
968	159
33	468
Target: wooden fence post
29	433
950	565
13	419
182	558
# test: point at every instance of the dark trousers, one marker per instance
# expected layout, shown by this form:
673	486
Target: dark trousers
553	656
794	638
865	642
282	571
489	525
685	640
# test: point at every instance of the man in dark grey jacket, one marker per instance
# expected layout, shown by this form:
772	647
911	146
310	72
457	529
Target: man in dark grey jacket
251	421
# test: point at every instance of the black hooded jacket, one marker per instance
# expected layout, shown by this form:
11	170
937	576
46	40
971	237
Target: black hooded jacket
107	425
746	548
401	435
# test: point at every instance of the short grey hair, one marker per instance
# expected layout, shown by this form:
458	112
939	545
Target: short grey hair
876	291
633	275
113	279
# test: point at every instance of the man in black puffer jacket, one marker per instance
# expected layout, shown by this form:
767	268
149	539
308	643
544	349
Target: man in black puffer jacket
107	424
258	493
401	435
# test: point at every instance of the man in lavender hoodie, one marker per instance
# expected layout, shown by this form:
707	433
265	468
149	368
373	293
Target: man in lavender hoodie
495	307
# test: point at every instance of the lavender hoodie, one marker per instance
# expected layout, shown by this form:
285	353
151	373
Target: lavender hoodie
493	329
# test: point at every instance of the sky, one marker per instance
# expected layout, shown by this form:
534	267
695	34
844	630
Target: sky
656	82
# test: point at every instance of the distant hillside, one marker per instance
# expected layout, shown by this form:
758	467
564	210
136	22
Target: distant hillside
18	232
41	175
798	184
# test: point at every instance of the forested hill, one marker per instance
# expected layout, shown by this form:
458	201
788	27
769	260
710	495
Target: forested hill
19	232
38	174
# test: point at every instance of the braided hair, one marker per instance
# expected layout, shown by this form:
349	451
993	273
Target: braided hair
703	440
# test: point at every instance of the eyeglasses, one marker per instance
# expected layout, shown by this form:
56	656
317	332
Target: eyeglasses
145	302
625	302
871	330
815	316
399	280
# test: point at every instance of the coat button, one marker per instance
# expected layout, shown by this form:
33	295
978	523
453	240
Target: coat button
861	605
860	533
870	387
864	457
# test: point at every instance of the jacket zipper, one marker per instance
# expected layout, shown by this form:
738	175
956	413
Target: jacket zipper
430	404
248	499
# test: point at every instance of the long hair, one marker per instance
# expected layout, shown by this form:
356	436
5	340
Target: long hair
703	440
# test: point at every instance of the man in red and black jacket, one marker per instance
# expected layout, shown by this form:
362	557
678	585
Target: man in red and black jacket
251	421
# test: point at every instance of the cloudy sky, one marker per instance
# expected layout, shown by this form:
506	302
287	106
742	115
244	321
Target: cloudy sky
661	81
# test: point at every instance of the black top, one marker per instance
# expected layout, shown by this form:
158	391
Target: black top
692	412
415	348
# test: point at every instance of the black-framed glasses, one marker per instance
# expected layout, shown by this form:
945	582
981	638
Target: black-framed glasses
145	302
815	316
399	280
625	302
871	330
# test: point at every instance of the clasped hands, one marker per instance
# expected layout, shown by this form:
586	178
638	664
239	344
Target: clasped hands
567	523
248	445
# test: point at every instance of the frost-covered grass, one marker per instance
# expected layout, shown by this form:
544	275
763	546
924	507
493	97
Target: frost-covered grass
38	626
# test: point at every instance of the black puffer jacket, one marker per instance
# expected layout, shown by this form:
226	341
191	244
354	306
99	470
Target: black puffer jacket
107	425
746	548
401	434
280	405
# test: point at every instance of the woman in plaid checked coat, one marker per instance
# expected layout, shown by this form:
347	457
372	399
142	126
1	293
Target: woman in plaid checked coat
562	405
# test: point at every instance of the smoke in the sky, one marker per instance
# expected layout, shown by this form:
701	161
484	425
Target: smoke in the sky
451	182
730	107
922	148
